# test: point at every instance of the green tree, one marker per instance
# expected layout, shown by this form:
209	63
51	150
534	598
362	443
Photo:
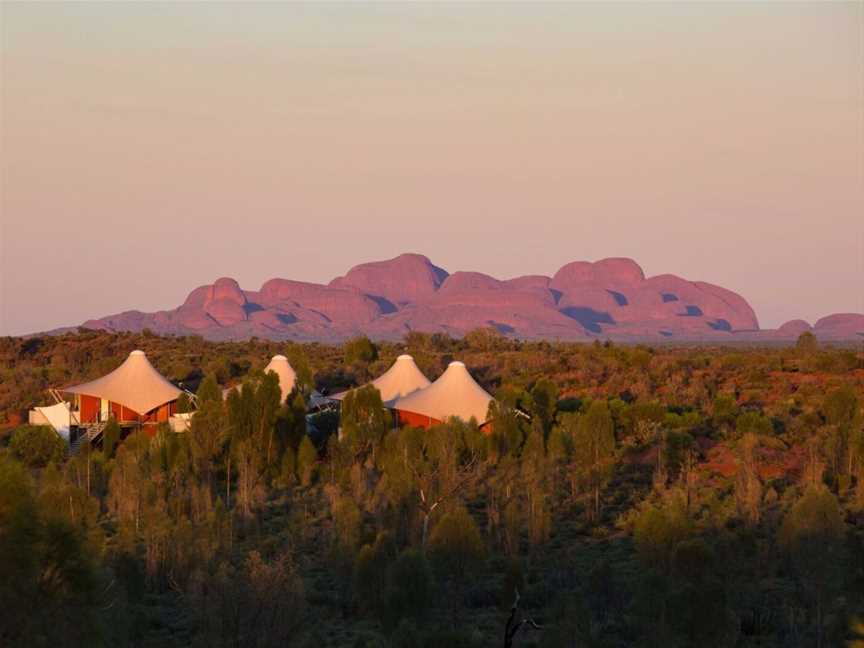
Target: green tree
683	597
252	417
753	423
844	416
658	530
360	352
509	429
725	410
48	582
544	397
370	573
130	485
37	445
643	420
365	421
485	339
184	404
207	436
409	590
562	448
536	478
260	602
594	451
110	437
433	467
748	486
291	423
679	460
697	602
807	342
347	521
208	390
299	359
841	407
812	536
268	401
307	459
455	543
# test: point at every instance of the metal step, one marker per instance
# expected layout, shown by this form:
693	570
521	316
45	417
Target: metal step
90	433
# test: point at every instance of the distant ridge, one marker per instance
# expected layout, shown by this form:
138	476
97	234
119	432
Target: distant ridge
606	299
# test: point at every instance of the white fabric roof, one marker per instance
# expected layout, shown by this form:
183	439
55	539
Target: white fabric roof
287	376
455	393
401	379
286	373
135	384
58	416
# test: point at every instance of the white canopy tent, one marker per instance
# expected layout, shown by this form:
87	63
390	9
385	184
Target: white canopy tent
455	393
281	367
58	416
287	376
400	380
134	384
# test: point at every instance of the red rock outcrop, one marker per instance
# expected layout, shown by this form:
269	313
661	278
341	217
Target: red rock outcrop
335	304
610	298
404	279
793	328
606	272
840	326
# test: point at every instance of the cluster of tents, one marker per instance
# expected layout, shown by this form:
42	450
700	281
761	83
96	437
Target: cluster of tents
137	395
417	401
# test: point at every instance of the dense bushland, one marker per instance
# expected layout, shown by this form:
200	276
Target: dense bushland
630	495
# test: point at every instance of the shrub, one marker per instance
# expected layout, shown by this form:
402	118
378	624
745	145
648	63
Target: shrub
360	351
37	445
409	588
455	542
110	436
307	458
807	342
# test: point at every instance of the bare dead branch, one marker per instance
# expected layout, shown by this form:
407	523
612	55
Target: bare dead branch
513	627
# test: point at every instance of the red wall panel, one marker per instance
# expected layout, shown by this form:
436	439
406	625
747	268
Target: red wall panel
90	406
416	420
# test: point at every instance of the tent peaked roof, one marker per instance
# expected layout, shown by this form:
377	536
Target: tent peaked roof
401	379
134	384
455	393
281	367
287	376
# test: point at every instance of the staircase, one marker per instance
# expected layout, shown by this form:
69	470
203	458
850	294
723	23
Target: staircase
91	433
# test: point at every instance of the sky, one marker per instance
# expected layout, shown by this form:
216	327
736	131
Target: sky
147	148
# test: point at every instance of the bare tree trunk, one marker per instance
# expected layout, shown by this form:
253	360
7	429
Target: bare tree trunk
513	626
596	501
228	486
596	477
269	445
688	478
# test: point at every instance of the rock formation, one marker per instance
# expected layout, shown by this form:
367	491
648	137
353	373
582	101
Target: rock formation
607	299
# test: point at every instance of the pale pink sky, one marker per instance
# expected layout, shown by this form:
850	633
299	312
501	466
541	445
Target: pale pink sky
150	148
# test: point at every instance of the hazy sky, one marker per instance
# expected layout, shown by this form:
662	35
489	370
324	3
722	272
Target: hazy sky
150	148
